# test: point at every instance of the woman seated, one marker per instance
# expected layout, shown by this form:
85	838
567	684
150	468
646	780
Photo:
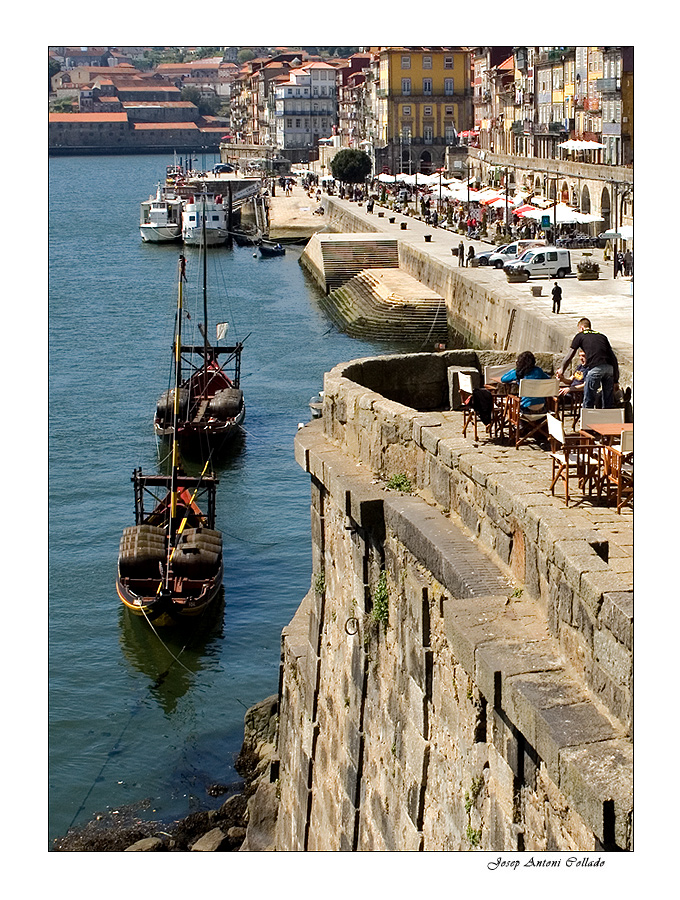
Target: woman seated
525	367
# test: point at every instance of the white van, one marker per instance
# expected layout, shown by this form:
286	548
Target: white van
512	252
549	261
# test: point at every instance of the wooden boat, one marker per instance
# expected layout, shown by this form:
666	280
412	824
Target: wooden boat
211	407
269	248
170	565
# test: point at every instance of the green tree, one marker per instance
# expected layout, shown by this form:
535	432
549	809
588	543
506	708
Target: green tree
243	55
350	166
53	68
64	105
208	52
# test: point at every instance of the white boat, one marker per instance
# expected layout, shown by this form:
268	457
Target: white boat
161	218
215	210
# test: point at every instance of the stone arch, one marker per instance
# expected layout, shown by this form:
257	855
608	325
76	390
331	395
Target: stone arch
606	209
575	199
426	162
538	185
552	189
585	199
564	193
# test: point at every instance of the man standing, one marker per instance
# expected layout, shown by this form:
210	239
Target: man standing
461	254
557	297
603	367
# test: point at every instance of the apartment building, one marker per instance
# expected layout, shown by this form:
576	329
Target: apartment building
306	107
424	99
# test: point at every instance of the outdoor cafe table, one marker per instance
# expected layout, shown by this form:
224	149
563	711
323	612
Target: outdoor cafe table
607	430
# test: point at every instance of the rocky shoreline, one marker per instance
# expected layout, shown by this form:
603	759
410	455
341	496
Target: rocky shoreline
245	821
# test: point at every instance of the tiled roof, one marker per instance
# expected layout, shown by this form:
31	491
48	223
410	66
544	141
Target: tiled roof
161	126
153	104
152	86
89	117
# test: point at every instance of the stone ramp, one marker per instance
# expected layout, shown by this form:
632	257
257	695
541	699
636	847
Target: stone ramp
332	259
387	304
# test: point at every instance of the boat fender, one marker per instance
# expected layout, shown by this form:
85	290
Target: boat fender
226	403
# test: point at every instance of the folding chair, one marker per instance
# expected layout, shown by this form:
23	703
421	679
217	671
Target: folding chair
617	466
600	416
496	427
493	374
533	423
571	459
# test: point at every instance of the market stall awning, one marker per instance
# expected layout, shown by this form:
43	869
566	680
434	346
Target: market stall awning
573	144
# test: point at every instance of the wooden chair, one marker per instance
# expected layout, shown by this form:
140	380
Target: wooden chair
497	425
569	406
617	471
493	374
600	416
572	460
525	424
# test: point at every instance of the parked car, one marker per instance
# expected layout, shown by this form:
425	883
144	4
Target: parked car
222	167
549	261
483	257
512	252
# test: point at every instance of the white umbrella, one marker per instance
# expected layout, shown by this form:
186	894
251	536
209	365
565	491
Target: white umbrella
561	214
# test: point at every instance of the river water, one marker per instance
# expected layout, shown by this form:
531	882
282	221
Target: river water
130	727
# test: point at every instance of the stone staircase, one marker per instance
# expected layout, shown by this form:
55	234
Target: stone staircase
332	259
386	304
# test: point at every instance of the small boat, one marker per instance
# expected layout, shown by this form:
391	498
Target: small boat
160	217
170	565
207	210
269	248
210	404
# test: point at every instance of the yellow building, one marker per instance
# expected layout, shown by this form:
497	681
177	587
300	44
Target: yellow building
424	100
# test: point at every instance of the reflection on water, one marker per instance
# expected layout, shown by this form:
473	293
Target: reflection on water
170	658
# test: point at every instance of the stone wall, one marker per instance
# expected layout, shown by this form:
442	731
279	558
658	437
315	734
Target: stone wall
480	696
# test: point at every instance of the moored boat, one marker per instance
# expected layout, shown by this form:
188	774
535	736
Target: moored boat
204	220
170	564
269	248
210	404
160	219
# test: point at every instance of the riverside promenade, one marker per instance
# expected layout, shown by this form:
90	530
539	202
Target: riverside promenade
607	302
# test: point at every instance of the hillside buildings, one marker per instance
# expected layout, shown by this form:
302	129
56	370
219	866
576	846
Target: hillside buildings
410	108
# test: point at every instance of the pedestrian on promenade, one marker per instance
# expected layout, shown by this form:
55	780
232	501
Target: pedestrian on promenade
461	254
470	255
603	367
627	263
556	297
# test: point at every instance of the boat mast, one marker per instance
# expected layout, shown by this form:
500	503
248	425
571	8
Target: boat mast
175	407
205	297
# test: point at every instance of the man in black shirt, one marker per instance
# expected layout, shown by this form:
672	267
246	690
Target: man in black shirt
603	367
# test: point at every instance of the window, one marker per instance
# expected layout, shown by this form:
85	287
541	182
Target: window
552	256
448	110
449	134
406	110
297	123
428	134
406	86
448	86
289	123
427	111
448	62
427	62
406	62
427	85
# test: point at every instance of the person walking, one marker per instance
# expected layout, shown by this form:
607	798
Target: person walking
556	297
461	254
603	366
470	255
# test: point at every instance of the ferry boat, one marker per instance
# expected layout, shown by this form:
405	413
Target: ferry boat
160	218
207	210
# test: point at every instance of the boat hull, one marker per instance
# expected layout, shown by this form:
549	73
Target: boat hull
160	234
193	237
193	439
171	608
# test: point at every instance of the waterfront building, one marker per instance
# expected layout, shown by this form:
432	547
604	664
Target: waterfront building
306	108
424	100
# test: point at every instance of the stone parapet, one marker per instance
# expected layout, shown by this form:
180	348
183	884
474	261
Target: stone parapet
438	707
